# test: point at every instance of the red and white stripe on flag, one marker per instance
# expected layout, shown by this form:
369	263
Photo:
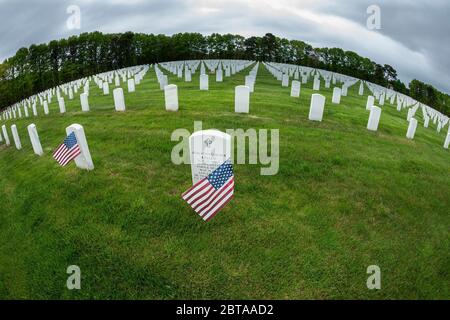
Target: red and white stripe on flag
208	196
67	151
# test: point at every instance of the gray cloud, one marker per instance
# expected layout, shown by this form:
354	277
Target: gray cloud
421	26
414	38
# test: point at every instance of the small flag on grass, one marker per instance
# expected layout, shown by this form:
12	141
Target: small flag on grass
68	151
208	196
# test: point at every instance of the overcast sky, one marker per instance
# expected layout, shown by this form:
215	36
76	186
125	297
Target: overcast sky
414	36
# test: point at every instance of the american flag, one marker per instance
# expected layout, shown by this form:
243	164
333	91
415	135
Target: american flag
68	151
208	196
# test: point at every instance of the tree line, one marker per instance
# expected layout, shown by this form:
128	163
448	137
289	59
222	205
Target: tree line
43	66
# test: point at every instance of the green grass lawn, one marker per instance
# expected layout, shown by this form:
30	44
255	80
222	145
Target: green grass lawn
344	199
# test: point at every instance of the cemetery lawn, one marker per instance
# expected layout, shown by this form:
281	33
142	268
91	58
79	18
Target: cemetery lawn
344	199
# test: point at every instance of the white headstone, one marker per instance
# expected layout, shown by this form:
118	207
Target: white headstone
105	88
317	107
336	95
34	138
242	99
204	82
370	102
137	79
316	86
84	102
187	76
84	160
410	114
426	122
33	107
171	97
209	149
5	135
447	141
46	111
16	137
285	81
163	82
411	128
295	89
119	99
219	75
250	82
381	101
131	86
62	105
374	118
